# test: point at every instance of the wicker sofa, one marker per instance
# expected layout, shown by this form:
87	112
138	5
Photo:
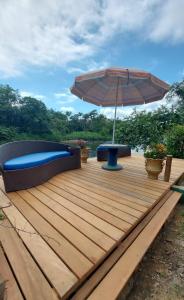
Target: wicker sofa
102	152
25	164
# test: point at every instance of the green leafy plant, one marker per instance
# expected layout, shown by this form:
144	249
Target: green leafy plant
155	151
175	141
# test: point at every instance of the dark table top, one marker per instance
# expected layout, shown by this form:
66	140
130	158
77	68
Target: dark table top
111	146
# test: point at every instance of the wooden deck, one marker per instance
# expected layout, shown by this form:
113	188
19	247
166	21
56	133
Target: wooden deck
54	235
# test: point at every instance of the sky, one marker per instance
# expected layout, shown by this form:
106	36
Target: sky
44	44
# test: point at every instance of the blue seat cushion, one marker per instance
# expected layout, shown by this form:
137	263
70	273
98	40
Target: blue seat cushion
34	159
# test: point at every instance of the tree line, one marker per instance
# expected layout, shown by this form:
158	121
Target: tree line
29	118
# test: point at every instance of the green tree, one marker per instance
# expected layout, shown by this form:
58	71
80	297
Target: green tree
175	141
176	93
7	134
9	106
34	116
140	129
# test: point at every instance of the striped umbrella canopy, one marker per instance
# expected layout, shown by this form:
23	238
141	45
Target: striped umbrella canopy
119	87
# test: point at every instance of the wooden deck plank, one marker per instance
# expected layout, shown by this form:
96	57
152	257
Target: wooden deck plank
106	206
32	282
144	195
129	166
177	167
72	257
78	190
82	215
92	232
4	201
86	289
115	179
133	198
12	291
115	280
108	193
99	218
61	278
80	241
137	181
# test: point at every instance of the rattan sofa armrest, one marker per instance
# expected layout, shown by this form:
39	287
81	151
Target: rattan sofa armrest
74	150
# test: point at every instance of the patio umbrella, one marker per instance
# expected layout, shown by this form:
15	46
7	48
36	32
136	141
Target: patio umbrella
119	87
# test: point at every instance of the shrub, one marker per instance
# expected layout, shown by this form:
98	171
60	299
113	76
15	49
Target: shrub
7	134
175	141
86	135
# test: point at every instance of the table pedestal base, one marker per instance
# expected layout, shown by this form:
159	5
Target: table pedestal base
112	165
108	167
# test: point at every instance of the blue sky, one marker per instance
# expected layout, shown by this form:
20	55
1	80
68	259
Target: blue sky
44	44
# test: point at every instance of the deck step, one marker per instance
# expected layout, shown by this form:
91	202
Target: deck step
114	282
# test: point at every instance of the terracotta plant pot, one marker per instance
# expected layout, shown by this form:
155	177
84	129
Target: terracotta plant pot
84	154
154	167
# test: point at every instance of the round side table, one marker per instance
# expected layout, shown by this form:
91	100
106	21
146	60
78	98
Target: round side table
111	164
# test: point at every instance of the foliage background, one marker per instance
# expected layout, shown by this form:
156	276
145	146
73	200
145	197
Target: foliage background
28	118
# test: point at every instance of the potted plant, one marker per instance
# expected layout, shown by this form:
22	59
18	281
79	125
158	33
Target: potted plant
84	150
155	155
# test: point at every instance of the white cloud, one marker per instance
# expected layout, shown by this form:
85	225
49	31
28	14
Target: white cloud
88	66
122	112
56	33
65	97
169	24
68	109
30	94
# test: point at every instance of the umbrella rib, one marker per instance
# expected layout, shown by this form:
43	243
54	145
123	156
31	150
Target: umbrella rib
86	97
137	88
158	89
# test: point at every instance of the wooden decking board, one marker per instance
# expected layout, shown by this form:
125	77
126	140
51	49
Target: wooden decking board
90	231
111	286
80	241
117	180
116	196
139	170
79	217
60	277
29	276
72	257
130	167
88	286
124	187
4	201
125	177
89	175
128	193
12	291
81	190
95	185
97	217
108	206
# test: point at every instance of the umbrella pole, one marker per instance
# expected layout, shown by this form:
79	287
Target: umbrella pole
115	112
114	124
